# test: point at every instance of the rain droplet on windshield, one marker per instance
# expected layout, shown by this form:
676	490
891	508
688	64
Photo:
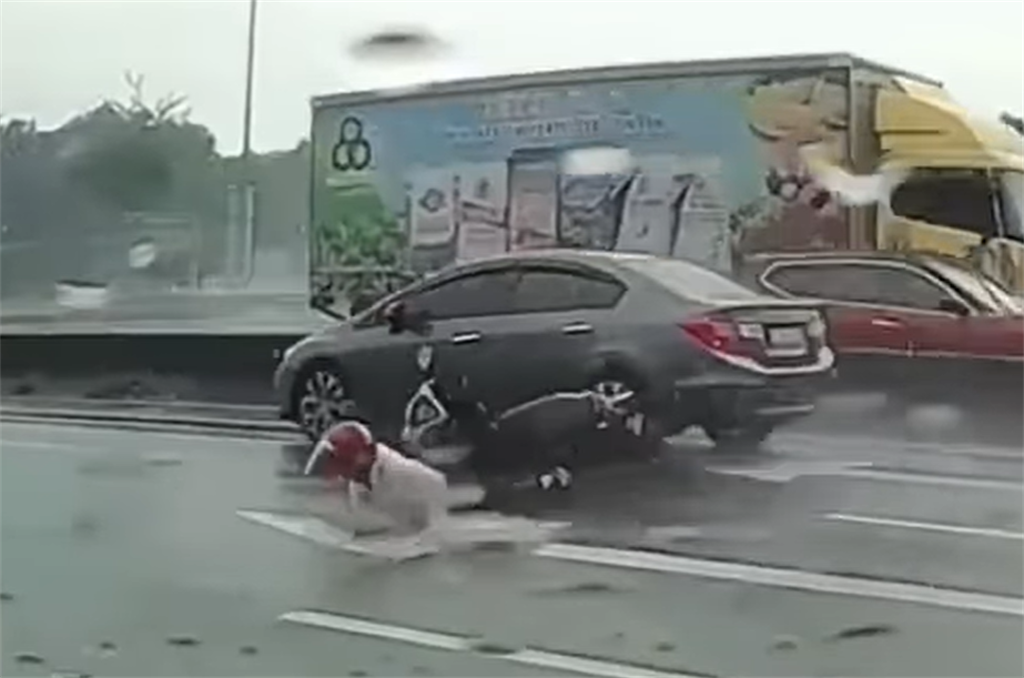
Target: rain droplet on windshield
401	59
398	43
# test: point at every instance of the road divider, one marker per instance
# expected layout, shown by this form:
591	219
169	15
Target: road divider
143	409
274	430
225	368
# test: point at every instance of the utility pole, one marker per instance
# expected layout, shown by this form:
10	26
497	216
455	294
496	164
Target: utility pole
249	194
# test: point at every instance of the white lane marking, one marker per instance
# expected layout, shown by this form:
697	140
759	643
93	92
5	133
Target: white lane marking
453	643
312	529
135	421
323	533
306	527
791	470
788	579
37	444
180	433
934	480
143	406
460	530
788	471
813	443
965	530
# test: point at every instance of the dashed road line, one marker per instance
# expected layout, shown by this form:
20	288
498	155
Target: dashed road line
791	470
313	529
786	578
964	530
813	443
545	659
931	479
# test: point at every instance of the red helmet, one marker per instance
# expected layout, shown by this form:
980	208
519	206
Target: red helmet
351	450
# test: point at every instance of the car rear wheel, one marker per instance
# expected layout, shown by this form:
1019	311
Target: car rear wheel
321	399
742	438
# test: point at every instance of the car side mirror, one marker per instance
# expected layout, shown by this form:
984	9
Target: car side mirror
402	317
954	306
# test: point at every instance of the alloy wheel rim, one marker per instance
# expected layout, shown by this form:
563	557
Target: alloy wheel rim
323	401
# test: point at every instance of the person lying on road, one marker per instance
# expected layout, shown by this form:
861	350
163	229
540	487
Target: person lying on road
380	481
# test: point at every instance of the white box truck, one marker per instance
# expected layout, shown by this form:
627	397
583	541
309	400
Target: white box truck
719	169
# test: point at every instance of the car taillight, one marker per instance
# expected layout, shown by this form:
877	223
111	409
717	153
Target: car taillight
713	334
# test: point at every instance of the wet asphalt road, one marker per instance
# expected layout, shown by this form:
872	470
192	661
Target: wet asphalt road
133	538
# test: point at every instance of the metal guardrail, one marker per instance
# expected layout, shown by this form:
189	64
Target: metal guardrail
190	420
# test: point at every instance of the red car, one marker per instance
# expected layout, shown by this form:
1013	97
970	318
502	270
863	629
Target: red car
924	325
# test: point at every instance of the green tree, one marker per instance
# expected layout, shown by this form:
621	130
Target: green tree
137	156
16	136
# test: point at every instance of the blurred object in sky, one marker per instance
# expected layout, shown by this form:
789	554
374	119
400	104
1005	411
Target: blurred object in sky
80	295
400	59
400	44
598	160
851	189
142	254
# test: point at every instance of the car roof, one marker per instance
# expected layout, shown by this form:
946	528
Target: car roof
567	254
758	263
601	259
917	257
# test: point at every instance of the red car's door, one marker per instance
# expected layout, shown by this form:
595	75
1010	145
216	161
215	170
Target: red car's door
979	336
855	328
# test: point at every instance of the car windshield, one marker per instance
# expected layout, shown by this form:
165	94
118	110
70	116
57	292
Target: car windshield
691	280
993	296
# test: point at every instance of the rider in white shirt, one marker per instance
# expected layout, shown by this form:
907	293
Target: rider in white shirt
377	479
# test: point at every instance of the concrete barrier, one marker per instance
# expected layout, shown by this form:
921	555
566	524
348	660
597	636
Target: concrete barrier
190	366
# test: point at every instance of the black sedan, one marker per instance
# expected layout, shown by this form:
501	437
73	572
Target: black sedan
656	345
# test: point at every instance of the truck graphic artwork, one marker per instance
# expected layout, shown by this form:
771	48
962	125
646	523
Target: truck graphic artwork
727	160
352	152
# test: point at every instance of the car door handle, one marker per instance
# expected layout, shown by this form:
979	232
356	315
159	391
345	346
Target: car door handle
890	323
577	328
466	338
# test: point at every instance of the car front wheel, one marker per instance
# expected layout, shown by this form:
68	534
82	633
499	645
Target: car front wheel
321	399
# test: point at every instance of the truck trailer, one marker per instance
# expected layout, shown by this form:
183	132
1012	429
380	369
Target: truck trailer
724	164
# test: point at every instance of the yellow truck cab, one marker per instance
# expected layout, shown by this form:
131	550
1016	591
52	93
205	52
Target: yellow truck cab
964	188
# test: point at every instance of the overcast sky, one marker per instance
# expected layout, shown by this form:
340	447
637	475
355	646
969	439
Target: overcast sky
58	57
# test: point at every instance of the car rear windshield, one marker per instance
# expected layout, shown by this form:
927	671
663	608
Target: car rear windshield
691	280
